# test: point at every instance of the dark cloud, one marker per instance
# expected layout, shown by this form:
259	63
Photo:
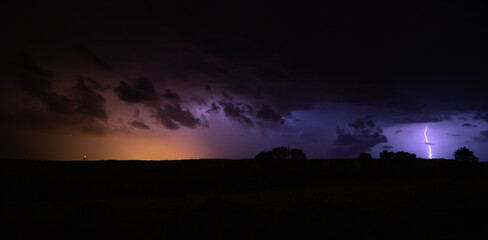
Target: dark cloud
387	147
231	110
469	125
81	99
139	124
362	123
483	136
236	112
87	101
363	137
59	104
289	56
430	144
214	108
481	116
136	113
84	51
200	101
249	109
463	119
95	85
165	120
227	96
296	56
142	91
421	119
183	117
78	111
172	96
172	116
42	120
266	113
398	131
37	82
208	88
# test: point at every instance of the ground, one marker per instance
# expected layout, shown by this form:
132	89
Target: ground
245	199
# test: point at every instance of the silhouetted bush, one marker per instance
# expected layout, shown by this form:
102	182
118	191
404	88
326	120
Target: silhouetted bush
465	155
365	156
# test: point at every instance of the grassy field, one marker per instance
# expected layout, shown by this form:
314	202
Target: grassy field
245	199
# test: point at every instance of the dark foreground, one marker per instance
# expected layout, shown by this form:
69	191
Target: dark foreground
247	199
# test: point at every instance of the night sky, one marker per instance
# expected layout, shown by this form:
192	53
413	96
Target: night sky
228	79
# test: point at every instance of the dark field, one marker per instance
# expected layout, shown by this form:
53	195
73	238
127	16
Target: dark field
244	199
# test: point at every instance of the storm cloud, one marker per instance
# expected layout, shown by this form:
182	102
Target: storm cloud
364	135
237	113
141	91
172	116
87	101
420	119
214	108
270	67
79	108
266	113
172	96
37	82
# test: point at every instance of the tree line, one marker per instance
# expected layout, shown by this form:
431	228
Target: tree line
463	154
282	153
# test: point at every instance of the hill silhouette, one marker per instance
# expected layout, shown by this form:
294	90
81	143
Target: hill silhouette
245	199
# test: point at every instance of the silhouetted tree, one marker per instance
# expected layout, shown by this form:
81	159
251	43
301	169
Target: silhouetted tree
387	155
398	155
404	155
297	154
365	156
282	153
465	155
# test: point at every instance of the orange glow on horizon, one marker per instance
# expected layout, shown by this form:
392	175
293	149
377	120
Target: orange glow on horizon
112	147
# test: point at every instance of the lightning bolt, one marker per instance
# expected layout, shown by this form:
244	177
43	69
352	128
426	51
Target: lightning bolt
427	141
